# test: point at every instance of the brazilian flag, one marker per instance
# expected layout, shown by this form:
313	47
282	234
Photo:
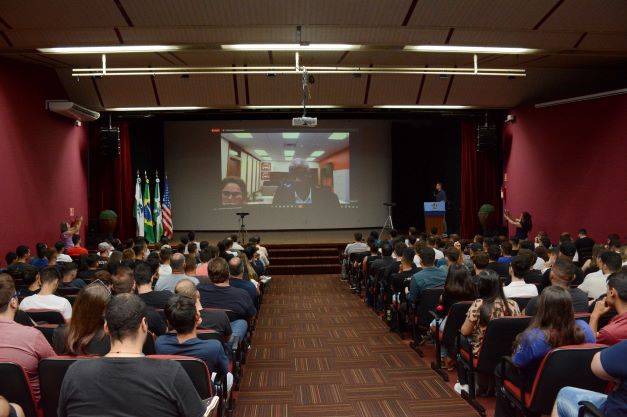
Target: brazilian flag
149	234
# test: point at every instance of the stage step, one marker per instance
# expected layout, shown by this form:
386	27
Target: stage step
305	259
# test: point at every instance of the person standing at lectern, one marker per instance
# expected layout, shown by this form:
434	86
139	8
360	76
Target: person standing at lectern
440	195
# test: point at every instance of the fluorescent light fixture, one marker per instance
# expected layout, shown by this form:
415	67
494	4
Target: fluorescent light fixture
290	106
421	107
243	135
289	158
290	47
310	159
232	152
338	136
289	152
120	49
469	49
582	98
160	108
266	158
317	153
291	135
261	152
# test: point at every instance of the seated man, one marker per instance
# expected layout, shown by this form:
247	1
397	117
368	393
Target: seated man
144	275
616	298
506	248
428	277
566	250
127	383
609	365
168	282
236	279
562	275
300	189
77	250
216	320
92	261
23	345
69	270
402	278
220	294
595	283
502	269
183	317
518	288
45	299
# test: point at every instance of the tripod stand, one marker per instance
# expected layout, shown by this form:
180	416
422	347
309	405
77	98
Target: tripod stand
388	225
242	235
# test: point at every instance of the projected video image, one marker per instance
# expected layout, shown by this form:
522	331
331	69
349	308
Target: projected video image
285	168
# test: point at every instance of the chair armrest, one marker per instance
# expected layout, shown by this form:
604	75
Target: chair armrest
589	409
507	361
235	346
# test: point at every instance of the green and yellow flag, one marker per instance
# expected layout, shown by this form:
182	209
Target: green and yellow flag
149	234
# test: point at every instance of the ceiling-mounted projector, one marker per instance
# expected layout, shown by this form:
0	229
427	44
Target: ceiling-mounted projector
305	121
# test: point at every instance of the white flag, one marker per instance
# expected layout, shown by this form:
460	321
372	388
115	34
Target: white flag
139	208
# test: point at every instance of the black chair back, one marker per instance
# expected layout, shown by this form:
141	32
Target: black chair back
197	372
48	331
63	291
565	366
429	301
499	341
521	301
14	386
149	344
46	316
454	320
51	374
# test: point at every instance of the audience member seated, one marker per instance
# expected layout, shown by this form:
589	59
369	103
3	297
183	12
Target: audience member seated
616	298
92	266
432	243
562	274
518	288
144	275
263	252
371	257
69	271
8	409
168	282
383	262
220	294
491	304
236	279
183	318
480	262
22	264
553	326
609	365
205	256
506	249
150	387
104	252
501	269
77	250
357	246
61	255
40	260
45	298
584	246
32	281
122	282
531	275
566	251
23	345
190	266
459	286
407	269
451	257
428	277
164	264
543	256
216	320
595	283
84	335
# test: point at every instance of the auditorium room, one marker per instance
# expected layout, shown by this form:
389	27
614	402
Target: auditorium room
298	208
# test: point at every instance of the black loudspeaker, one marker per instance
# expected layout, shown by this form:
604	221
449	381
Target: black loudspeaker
486	138
110	142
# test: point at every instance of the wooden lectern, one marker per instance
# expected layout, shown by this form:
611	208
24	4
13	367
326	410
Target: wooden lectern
435	216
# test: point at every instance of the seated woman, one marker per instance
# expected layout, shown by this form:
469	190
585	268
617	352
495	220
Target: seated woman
458	286
491	304
554	325
85	334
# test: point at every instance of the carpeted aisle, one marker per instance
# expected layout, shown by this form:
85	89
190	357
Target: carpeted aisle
319	351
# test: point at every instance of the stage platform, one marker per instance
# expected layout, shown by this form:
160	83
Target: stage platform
288	236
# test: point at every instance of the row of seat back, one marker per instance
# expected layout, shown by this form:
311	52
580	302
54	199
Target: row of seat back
14	386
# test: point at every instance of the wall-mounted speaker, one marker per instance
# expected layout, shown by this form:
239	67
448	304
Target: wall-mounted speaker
110	142
486	138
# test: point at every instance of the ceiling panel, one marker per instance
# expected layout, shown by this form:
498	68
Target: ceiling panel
507	14
282	89
222	58
126	91
35	38
338	89
434	91
524	39
247	12
393	89
487	91
216	90
589	16
394	35
604	41
81	92
209	35
61	14
400	58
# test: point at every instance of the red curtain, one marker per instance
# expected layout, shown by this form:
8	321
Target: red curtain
112	182
480	181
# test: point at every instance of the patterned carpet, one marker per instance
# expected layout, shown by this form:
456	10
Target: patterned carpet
319	351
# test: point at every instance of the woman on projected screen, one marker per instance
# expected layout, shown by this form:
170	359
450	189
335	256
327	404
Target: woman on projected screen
299	190
233	191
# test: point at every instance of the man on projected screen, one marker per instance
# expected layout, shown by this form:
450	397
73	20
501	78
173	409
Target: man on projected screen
300	190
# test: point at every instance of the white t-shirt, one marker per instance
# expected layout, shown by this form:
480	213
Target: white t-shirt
438	254
47	302
594	284
165	269
539	264
520	289
237	246
417	261
62	257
